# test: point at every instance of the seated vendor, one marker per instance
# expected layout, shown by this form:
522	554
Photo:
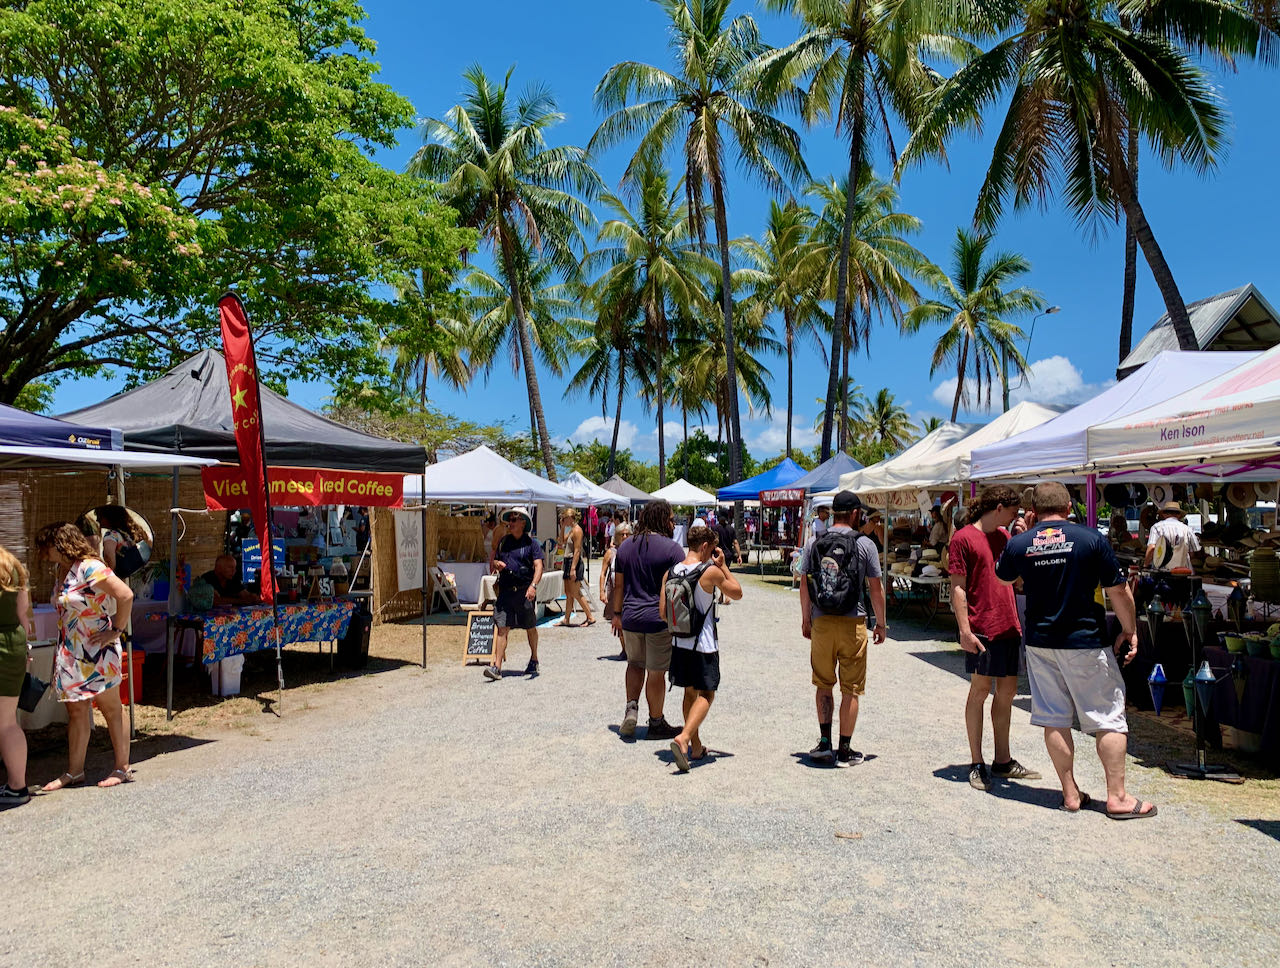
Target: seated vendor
227	589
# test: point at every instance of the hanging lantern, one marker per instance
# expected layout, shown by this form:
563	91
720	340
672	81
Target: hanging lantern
1201	615
1204	687
1156	683
1235	607
1189	693
1240	673
1155	618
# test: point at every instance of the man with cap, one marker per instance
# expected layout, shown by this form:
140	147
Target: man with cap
834	568
1171	540
518	560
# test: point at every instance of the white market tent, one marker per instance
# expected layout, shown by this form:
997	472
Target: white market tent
1058	447
880	477
482	476
682	493
587	493
1232	418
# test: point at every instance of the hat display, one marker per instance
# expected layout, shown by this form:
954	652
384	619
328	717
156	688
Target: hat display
1265	491
1161	494
1124	495
844	502
1240	495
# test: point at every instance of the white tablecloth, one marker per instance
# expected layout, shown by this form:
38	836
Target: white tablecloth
550	588
467	575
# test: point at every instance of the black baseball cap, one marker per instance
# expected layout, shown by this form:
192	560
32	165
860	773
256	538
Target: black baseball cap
845	501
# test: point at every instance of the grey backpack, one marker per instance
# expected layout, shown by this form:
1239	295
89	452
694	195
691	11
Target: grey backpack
683	618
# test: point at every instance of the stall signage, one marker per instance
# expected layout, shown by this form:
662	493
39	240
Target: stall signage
478	645
782	496
226	489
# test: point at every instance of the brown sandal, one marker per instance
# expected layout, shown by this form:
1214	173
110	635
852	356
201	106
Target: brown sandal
120	776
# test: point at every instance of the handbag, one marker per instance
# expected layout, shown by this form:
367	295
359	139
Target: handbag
33	690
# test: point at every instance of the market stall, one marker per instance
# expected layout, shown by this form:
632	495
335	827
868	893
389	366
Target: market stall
617	485
681	493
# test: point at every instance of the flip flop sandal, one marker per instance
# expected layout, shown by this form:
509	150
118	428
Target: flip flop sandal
698	756
681	757
1134	814
65	782
124	776
1085	800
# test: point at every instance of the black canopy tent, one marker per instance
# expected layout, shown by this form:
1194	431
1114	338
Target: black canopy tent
188	410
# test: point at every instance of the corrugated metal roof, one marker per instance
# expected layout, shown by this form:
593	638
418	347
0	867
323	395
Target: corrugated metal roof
1209	318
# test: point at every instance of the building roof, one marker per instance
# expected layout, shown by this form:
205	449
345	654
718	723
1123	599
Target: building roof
1239	319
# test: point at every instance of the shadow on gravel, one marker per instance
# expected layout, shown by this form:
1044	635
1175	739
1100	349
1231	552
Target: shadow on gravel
612	657
1269	827
802	759
1005	790
953	662
617	731
664	755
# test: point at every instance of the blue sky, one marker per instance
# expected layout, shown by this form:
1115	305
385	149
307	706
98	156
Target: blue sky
1217	233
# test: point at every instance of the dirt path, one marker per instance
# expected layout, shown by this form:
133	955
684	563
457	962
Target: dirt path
415	818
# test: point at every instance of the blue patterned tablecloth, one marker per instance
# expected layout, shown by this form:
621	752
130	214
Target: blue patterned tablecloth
233	631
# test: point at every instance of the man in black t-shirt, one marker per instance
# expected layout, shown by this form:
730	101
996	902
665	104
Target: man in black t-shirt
1071	670
227	589
518	561
728	539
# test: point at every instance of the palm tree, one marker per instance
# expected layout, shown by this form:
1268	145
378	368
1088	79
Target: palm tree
973	303
437	351
782	273
864	64
652	260
551	322
886	422
851	411
881	260
1078	82
497	170
929	424
711	95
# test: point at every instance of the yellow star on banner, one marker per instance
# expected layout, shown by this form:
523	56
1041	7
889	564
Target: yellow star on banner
237	399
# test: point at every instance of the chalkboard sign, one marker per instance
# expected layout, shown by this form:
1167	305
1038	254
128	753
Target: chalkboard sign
478	645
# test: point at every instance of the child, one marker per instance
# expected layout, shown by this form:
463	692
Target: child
695	661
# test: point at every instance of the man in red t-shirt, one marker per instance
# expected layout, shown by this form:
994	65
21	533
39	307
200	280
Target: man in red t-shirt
987	616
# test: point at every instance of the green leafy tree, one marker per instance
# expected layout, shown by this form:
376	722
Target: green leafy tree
864	62
1077	81
974	303
157	153
929	424
491	154
442	434
707	461
884	420
711	98
782	271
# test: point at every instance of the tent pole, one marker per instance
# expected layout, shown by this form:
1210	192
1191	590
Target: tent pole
128	622
423	544
1091	499
173	595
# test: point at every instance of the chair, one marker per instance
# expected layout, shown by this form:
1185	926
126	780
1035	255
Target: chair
443	591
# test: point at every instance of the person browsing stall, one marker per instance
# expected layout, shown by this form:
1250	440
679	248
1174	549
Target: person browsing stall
574	569
227	589
987	618
1170	541
687	604
1073	673
15	622
834	569
518	561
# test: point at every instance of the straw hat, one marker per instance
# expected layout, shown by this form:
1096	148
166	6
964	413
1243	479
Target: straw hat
1172	507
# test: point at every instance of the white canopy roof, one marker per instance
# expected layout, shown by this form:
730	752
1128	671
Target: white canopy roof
483	477
1232	416
17	457
1060	445
586	493
681	492
882	476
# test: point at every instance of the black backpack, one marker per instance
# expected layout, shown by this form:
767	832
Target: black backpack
683	618
835	572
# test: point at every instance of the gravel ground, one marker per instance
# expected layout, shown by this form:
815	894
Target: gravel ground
414	818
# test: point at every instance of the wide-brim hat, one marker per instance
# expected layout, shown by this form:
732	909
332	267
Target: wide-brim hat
1240	495
520	511
1172	507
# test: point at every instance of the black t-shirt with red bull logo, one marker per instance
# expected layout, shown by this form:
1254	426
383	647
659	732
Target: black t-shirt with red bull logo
1061	565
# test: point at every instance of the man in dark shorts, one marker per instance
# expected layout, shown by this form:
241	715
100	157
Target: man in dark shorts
641	562
727	537
517	559
1073	673
987	617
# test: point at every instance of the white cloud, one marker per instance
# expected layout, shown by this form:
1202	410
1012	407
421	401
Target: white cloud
1053	380
765	438
601	429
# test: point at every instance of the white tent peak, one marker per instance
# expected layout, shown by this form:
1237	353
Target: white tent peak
483	476
587	492
683	493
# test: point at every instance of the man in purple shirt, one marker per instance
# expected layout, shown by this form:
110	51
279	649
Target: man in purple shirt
641	562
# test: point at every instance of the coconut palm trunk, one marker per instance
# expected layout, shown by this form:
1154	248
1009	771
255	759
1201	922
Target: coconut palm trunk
657	320
617	415
791	339
1130	256
526	349
726	283
1126	192
961	366
842	280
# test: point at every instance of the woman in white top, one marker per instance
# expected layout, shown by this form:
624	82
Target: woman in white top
695	661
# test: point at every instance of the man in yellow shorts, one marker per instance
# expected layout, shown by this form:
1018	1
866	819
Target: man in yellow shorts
834	567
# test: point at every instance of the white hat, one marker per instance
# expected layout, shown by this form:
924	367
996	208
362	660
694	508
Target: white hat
523	512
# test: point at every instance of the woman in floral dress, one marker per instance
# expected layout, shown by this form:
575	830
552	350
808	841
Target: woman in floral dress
88	668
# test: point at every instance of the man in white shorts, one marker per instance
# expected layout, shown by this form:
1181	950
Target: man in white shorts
1071	670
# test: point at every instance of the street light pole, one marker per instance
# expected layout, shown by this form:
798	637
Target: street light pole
1004	356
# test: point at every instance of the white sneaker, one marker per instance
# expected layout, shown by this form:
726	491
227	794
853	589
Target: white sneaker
629	719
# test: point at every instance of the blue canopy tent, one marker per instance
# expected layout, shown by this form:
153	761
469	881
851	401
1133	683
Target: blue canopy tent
749	490
826	476
18	428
